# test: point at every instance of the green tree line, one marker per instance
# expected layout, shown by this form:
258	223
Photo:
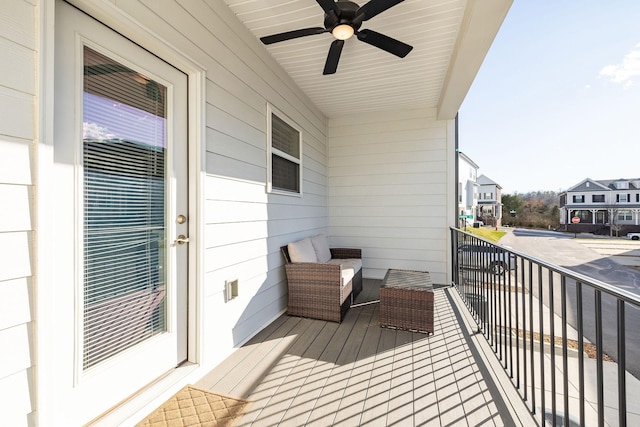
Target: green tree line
537	209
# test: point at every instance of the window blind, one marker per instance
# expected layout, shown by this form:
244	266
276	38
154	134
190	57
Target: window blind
124	208
285	157
284	137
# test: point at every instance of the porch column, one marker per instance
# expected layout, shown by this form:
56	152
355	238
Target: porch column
594	212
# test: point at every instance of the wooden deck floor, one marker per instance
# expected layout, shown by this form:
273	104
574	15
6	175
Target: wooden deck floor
302	372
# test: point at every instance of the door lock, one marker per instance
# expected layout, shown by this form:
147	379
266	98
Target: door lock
181	240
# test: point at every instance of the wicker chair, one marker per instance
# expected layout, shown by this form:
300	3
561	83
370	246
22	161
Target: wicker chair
315	289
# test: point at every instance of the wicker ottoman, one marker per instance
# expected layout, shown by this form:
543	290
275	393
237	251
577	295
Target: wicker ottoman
406	301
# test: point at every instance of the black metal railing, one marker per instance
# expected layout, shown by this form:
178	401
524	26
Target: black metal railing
562	337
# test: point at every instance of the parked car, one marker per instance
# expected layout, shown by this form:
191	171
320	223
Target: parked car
496	259
633	236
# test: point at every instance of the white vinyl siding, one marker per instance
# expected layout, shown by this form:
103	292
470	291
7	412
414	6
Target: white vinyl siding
17	133
389	190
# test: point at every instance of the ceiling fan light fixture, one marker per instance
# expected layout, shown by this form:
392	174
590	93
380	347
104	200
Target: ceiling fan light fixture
343	31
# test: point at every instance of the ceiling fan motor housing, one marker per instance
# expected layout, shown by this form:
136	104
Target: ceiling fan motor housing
348	11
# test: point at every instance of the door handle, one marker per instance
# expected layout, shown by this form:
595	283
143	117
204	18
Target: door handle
181	240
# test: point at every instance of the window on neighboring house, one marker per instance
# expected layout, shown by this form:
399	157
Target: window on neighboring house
637	197
623	198
625	216
578	199
622	185
597	198
285	157
585	216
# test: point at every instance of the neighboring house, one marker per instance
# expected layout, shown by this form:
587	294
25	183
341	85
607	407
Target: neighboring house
602	206
467	187
155	153
489	201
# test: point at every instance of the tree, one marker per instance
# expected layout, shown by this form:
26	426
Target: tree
538	209
511	203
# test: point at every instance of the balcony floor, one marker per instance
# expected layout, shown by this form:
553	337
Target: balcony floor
310	372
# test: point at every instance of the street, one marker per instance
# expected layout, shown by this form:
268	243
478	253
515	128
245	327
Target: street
591	259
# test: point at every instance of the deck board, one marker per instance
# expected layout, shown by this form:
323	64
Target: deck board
314	373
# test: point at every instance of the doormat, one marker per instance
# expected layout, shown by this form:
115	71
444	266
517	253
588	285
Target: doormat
194	407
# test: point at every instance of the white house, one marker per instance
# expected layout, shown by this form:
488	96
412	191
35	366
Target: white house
489	200
467	187
600	203
157	151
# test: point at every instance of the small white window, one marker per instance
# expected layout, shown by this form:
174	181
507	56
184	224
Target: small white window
284	161
622	185
625	216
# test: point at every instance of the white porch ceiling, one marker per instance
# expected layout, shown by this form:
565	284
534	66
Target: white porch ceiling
369	79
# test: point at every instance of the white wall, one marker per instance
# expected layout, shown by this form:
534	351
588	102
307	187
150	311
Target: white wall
467	176
17	133
392	189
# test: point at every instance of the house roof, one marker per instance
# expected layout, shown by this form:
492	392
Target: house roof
589	184
485	180
467	159
450	39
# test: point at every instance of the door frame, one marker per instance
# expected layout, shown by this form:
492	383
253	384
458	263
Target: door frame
45	382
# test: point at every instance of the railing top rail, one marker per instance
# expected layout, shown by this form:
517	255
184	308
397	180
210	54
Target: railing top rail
607	288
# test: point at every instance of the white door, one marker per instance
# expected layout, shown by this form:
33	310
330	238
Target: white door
120	154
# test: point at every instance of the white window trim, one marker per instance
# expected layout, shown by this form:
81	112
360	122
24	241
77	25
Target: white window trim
270	150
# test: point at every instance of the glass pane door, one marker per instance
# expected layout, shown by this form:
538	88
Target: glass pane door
125	235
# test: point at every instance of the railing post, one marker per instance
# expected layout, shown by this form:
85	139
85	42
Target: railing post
580	322
565	353
622	363
531	350
541	326
599	366
552	340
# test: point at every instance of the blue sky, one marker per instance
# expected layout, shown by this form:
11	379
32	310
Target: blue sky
557	99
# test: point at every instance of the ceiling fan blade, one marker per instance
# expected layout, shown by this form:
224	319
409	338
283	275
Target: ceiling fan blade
333	57
275	38
373	8
385	43
329	6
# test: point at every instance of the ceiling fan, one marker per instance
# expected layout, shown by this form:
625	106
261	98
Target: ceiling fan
343	19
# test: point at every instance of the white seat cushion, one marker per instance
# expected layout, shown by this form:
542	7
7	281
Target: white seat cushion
348	267
302	251
321	246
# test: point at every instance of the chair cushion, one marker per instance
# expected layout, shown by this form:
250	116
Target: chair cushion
321	246
348	267
302	251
